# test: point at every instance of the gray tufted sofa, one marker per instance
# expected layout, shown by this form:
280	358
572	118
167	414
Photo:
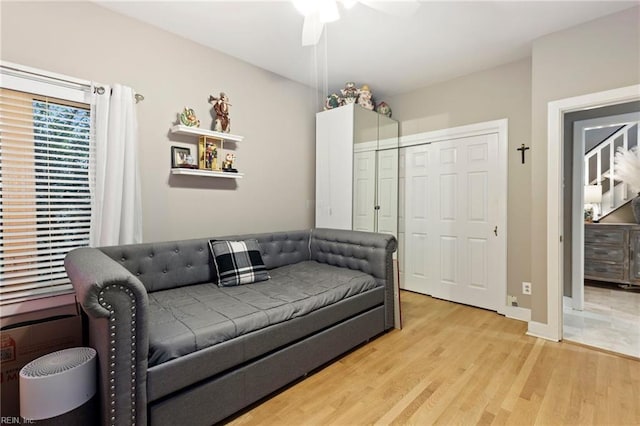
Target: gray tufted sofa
174	348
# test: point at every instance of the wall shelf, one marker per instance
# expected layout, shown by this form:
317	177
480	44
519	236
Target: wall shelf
205	137
205	173
179	129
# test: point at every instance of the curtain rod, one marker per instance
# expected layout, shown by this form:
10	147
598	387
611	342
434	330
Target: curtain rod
100	91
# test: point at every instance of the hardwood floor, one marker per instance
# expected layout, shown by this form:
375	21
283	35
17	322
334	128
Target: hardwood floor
453	364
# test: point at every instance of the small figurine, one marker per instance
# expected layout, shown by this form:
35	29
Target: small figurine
364	98
227	164
188	118
349	93
332	101
384	109
221	107
211	156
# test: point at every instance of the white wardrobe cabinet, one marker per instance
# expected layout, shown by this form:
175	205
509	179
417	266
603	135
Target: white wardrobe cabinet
356	170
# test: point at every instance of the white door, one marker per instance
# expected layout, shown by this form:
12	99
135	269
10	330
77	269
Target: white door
452	197
416	270
387	202
364	190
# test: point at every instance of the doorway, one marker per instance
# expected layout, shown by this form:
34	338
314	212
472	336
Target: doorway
597	310
556	229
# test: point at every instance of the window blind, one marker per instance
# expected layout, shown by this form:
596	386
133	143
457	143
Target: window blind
45	192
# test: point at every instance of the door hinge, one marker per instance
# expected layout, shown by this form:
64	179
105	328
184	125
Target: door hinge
560	238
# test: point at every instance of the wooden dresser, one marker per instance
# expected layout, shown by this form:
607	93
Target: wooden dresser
612	252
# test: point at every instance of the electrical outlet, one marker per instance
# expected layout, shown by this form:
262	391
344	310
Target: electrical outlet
512	301
526	288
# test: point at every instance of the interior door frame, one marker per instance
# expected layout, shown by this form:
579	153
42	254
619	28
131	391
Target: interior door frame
552	330
501	127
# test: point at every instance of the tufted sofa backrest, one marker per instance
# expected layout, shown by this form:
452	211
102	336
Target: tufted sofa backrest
164	265
280	248
363	251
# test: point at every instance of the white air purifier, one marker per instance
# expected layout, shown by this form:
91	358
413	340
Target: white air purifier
57	383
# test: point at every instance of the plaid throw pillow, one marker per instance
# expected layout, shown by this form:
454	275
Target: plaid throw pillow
238	262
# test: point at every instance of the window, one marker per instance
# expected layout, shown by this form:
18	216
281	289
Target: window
45	192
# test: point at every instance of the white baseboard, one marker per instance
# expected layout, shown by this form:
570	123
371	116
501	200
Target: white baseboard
544	331
517	312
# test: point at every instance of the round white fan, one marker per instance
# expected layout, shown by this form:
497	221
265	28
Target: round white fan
319	12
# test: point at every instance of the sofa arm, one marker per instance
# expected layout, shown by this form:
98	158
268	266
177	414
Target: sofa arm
368	252
115	302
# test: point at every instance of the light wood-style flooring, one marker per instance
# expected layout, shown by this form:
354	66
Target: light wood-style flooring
454	364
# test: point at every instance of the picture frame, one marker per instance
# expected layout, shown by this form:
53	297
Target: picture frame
181	157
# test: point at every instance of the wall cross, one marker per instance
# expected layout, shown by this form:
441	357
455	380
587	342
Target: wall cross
522	150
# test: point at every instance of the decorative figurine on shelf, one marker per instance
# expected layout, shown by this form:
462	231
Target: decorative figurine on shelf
365	98
384	109
349	93
188	118
221	107
227	164
210	156
332	101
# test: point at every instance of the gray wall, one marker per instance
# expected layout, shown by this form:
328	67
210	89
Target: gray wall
501	92
599	55
275	115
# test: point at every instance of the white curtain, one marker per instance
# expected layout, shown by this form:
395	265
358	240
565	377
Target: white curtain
116	216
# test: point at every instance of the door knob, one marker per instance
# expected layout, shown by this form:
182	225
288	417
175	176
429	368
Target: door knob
495	230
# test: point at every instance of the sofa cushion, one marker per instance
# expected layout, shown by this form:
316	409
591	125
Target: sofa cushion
186	319
176	374
238	262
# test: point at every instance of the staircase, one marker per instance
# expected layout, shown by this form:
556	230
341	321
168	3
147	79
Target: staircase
599	167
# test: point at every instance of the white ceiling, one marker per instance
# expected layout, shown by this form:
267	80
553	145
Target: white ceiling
392	54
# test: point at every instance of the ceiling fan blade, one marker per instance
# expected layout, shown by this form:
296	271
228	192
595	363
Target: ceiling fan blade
328	11
399	8
311	30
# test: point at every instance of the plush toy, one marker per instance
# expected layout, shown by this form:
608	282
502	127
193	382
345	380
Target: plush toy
349	93
333	101
365	98
384	109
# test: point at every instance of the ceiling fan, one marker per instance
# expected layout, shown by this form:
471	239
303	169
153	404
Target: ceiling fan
319	12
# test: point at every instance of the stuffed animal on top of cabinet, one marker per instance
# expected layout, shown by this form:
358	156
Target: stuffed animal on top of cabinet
365	97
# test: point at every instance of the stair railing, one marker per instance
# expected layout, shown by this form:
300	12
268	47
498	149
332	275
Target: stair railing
609	174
